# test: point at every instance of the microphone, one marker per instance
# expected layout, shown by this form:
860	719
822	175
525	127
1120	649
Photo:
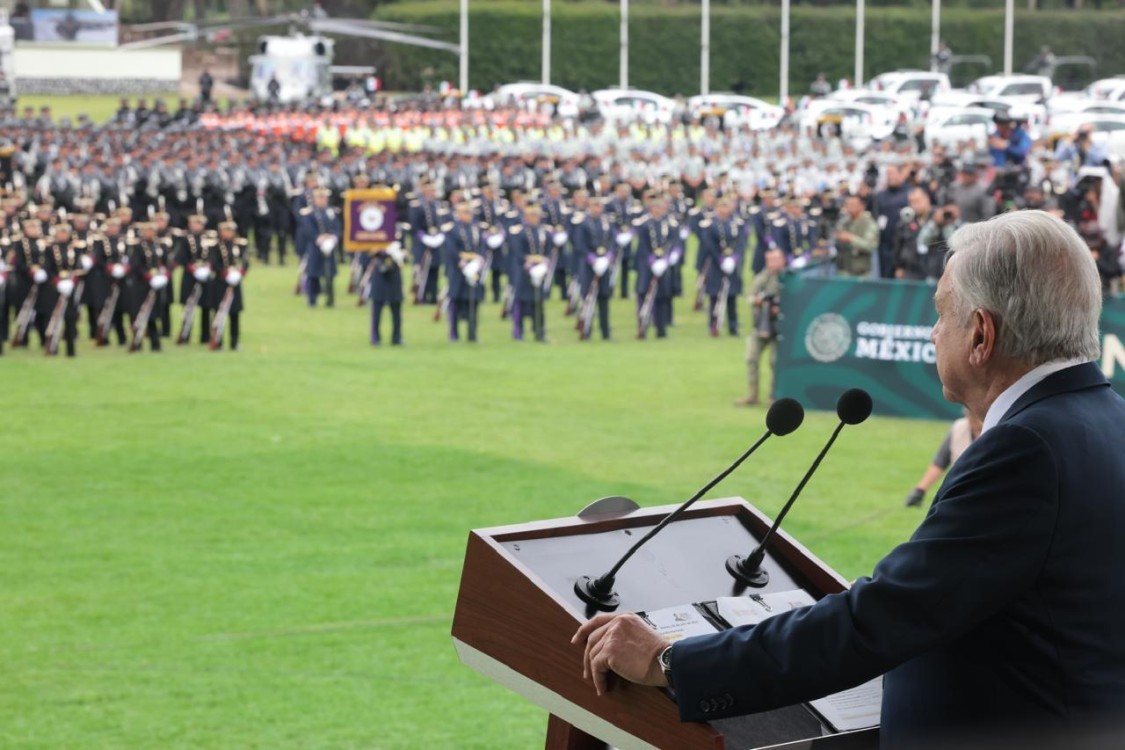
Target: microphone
783	417
852	407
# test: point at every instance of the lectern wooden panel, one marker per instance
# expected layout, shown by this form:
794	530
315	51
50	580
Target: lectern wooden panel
516	611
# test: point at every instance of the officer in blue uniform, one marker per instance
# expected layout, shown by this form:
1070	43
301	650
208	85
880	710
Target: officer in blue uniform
528	248
490	212
795	231
723	244
465	266
594	246
386	287
426	218
659	247
322	233
623	212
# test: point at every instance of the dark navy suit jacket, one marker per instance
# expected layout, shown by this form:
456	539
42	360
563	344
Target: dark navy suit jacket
1005	609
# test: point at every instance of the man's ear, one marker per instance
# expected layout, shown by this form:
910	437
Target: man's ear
983	343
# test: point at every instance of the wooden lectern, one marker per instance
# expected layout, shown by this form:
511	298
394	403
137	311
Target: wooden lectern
517	610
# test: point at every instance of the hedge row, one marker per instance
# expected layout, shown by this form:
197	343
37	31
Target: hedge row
505	43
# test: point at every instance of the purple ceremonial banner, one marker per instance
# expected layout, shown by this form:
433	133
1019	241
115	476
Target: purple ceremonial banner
369	219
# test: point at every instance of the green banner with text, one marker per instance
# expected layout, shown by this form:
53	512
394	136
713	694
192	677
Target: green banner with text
840	333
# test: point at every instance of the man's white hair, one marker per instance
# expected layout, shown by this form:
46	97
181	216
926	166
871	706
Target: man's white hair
1037	276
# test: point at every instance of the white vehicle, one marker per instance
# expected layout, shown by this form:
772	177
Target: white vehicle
856	123
536	95
945	105
910	84
630	105
1015	88
300	64
1082	105
1068	124
819	111
953	127
737	110
1112	89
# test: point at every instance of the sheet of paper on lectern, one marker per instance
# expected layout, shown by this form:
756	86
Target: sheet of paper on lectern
858	708
676	623
750	610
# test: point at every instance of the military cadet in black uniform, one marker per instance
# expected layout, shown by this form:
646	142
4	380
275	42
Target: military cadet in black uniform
465	260
65	270
527	268
229	261
30	264
193	254
595	248
107	286
148	275
556	216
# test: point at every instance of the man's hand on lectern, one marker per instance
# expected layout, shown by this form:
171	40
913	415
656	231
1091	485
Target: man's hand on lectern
624	645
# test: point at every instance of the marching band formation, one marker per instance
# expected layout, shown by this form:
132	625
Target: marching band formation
503	206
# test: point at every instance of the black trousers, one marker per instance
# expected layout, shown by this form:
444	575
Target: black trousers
313	284
521	310
232	328
624	278
377	321
463	310
263	236
732	313
496	274
661	315
603	316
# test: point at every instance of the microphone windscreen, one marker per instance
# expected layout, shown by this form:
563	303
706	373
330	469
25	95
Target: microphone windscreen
784	416
854	406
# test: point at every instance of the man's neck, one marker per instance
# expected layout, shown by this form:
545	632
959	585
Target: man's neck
1003	376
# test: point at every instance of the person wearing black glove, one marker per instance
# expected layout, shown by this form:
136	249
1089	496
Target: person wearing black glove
960	436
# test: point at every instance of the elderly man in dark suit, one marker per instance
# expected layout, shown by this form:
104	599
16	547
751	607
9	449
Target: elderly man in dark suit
1005	612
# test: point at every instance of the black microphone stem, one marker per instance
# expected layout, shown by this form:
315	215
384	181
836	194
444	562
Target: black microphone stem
607	579
755	558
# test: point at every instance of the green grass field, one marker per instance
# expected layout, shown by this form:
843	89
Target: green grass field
262	549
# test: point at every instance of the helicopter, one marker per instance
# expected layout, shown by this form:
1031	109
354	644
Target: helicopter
301	62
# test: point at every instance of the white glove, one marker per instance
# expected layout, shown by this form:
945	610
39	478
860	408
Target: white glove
494	240
727	265
601	265
65	287
39	276
158	281
3	279
395	251
327	243
472	270
684	232
674	256
800	261
560	238
202	273
538	272
234	277
117	270
624	238
86	261
433	241
659	266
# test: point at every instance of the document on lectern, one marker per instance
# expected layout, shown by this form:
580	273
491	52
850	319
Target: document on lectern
676	623
858	708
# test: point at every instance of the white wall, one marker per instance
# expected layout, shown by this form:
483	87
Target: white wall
66	61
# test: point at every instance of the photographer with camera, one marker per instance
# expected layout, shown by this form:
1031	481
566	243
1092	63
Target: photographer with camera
1008	142
1080	150
920	238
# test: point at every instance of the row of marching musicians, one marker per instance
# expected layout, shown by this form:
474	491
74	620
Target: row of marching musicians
54	268
586	251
